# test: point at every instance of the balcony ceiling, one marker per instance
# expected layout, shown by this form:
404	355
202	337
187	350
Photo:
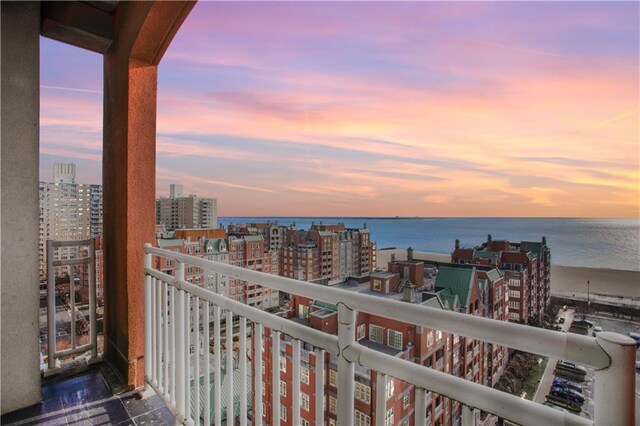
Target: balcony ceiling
85	24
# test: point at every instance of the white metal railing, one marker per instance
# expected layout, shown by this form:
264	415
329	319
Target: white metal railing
54	355
171	309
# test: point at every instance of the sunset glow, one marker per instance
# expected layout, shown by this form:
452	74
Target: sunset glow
381	109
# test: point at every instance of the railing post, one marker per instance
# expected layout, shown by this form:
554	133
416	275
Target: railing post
615	385
420	412
92	301
180	351
148	367
51	306
467	415
346	369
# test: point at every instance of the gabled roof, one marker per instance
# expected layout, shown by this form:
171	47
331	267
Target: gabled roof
457	280
434	302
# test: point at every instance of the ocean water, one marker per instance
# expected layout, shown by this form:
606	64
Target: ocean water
594	243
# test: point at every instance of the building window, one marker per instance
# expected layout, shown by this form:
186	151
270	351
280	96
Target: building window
430	338
390	388
438	335
362	419
304	375
283	365
363	392
376	334
333	378
304	401
283	413
304	422
406	400
332	405
283	388
360	332
515	305
377	285
389	418
332	422
394	339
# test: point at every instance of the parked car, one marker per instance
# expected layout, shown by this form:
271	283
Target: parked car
583	323
567	394
636	337
638	367
596	330
571	366
564	383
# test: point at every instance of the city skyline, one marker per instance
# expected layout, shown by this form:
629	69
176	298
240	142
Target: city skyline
414	109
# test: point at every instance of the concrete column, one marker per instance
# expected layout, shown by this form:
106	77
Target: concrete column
19	205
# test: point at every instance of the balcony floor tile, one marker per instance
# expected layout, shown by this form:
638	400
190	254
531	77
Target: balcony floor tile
86	399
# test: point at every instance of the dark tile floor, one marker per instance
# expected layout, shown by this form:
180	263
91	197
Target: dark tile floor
86	399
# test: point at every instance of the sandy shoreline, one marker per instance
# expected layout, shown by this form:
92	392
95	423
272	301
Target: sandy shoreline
611	282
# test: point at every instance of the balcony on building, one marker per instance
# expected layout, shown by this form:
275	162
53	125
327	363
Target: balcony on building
162	359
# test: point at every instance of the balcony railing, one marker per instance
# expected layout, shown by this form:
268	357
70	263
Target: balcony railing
172	320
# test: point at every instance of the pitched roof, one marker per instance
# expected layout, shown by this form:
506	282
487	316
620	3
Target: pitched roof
457	280
434	302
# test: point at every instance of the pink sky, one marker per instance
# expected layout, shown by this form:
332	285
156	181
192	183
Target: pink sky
381	109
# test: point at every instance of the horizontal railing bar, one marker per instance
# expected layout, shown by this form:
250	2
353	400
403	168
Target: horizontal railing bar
310	335
68	262
72	243
475	395
568	346
72	351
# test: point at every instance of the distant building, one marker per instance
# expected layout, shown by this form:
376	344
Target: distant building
68	211
329	252
527	270
177	211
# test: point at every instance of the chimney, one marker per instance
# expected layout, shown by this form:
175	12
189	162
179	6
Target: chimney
393	257
457	244
409	293
544	240
365	226
409	253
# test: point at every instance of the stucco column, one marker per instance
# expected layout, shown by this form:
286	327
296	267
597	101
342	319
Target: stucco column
19	204
129	205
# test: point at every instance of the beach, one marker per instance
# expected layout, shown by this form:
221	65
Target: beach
610	282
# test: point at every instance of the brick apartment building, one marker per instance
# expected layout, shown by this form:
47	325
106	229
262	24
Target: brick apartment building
248	251
527	270
330	252
458	288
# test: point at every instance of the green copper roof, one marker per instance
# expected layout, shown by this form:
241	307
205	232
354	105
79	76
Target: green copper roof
534	247
530	255
482	254
325	305
434	302
494	275
224	393
458	280
170	242
253	238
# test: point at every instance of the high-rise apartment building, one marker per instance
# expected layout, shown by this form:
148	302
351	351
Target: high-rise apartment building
527	270
68	211
179	212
